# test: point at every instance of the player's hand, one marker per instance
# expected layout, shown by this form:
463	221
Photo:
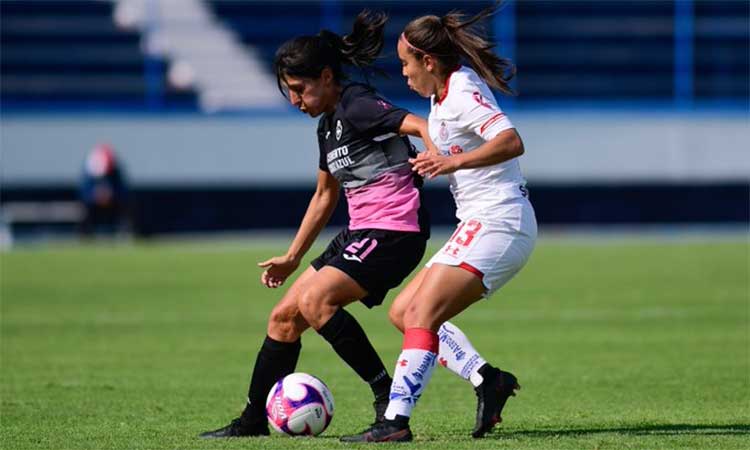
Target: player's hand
430	149
277	270
430	165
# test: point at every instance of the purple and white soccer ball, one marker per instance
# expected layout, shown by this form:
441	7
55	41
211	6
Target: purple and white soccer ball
299	405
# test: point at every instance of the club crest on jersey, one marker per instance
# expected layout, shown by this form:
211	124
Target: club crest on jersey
456	149
443	131
339	129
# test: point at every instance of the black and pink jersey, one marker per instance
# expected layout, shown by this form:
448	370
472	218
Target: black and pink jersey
361	147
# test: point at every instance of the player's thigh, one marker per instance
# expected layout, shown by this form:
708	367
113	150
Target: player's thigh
444	292
402	300
330	286
286	321
327	291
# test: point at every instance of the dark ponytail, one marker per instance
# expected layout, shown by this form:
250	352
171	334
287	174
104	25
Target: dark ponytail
307	56
453	37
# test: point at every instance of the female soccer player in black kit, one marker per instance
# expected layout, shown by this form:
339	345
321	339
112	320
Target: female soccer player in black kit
363	148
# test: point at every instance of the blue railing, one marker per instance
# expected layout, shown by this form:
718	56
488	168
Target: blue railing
683	53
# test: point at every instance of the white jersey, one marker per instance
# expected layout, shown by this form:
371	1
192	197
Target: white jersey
465	117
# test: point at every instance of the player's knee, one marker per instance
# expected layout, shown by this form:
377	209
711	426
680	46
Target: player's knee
410	315
310	305
281	323
317	307
396	316
418	316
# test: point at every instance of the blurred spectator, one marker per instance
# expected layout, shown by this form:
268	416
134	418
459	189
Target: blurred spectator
104	193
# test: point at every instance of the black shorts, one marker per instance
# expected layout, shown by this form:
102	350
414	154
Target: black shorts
378	260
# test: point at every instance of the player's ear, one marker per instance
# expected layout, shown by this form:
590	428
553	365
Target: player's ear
326	76
429	63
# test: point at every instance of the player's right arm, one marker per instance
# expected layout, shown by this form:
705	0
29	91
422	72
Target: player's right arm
319	211
413	125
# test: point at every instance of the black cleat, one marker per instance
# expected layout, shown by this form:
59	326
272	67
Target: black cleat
237	429
491	397
380	407
385	431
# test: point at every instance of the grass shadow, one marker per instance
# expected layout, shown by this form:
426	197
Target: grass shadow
636	430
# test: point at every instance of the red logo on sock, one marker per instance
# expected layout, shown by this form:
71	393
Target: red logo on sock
403	363
443	362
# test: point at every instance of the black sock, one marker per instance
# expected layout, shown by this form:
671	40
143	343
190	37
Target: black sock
275	361
381	387
350	342
485	370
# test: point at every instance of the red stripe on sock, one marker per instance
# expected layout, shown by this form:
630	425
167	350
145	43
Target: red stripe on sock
421	338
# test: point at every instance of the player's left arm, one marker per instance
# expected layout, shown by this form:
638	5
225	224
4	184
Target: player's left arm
503	147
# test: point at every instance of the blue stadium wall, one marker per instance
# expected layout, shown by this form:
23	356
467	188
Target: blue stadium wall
159	210
189	172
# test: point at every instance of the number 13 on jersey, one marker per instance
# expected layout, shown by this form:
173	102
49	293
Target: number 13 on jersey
463	238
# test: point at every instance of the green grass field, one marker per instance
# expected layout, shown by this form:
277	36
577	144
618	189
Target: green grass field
617	344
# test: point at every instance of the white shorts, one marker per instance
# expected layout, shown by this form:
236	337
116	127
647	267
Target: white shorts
489	248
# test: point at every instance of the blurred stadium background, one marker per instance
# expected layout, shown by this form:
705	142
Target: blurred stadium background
633	112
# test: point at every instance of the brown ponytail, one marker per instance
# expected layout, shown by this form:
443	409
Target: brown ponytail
453	37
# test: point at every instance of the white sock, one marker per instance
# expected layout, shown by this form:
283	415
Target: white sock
458	355
413	371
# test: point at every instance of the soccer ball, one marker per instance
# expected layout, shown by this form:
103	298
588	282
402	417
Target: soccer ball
299	405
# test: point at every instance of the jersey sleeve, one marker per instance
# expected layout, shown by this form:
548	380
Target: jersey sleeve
323	157
372	115
480	112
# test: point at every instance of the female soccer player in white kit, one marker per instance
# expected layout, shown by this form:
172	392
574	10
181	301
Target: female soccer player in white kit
477	149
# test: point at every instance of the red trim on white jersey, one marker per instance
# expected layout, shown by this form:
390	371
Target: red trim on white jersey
447	85
491	120
472	269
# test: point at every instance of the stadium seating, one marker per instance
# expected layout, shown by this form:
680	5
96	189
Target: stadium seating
722	53
582	50
71	53
573	50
